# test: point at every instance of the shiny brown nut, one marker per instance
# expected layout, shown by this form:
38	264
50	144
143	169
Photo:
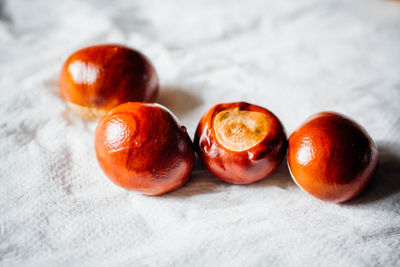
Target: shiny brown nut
95	79
240	143
142	147
332	157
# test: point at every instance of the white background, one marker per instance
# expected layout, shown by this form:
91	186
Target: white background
295	58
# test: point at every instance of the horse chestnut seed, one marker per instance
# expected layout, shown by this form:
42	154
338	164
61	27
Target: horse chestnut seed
142	147
95	79
332	157
240	143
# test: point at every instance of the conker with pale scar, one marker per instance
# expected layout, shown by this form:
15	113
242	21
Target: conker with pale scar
143	147
239	142
332	157
95	79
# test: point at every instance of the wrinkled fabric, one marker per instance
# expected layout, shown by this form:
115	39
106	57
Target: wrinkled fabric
295	58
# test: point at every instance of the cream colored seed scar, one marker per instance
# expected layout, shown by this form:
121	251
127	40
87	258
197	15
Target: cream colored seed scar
239	130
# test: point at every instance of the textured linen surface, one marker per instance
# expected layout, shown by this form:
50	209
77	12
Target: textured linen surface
296	58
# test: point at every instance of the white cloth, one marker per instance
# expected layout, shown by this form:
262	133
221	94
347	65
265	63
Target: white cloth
295	58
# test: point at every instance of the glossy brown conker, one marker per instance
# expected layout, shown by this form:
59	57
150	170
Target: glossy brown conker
239	142
97	78
332	157
142	147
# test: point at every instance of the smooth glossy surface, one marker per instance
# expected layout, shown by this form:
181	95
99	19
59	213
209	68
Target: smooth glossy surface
101	77
245	166
332	157
141	147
